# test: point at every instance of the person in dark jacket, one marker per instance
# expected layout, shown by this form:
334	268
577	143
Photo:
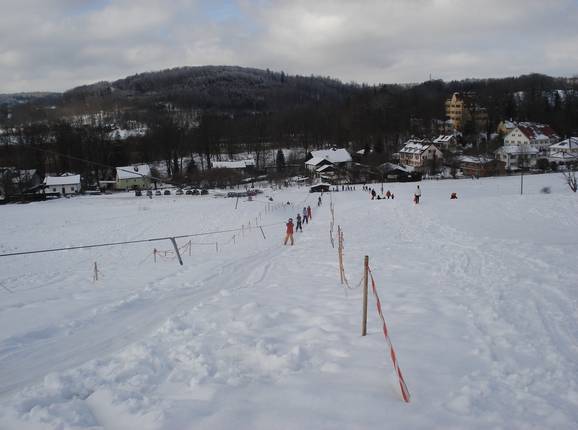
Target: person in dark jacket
298	226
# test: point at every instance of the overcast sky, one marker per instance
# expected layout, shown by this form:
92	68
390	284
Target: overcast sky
54	45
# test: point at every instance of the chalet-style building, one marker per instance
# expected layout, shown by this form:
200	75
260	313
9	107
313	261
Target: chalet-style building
461	109
340	157
420	155
133	177
538	136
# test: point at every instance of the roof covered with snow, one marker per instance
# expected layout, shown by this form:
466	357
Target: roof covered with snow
66	179
444	138
133	172
335	155
570	144
415	146
517	150
482	159
241	164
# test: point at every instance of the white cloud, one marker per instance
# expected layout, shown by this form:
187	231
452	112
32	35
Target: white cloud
57	44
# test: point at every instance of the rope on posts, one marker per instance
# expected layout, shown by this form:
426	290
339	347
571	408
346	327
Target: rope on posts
403	387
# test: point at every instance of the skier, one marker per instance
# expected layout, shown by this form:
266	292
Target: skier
319	201
388	194
298	227
289	235
373	193
417	195
305	219
309	217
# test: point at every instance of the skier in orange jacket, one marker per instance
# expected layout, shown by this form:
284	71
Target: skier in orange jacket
309	212
289	235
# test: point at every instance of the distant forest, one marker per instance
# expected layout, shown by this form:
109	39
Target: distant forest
217	111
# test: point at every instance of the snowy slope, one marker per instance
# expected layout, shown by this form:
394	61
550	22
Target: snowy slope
479	295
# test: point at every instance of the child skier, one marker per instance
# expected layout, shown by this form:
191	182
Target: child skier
289	232
298	227
309	218
305	219
417	195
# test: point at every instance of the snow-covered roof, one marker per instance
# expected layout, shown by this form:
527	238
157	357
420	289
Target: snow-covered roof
482	159
444	138
316	160
570	144
415	147
325	168
241	164
67	179
334	155
388	167
133	172
562	156
518	149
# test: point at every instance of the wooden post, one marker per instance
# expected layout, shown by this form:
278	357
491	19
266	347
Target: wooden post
237	202
365	281
177	250
340	253
155	254
95	272
262	232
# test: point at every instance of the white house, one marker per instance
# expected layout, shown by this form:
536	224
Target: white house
537	136
63	185
334	155
133	177
568	146
315	163
516	156
419	154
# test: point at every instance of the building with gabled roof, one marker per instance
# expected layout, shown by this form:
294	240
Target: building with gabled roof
133	177
334	155
569	146
539	136
515	157
420	154
65	184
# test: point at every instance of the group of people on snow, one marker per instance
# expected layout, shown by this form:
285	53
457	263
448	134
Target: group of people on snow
300	220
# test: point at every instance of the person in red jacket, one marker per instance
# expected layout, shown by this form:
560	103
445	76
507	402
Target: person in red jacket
309	212
289	235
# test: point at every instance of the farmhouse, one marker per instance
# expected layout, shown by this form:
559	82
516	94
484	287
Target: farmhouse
339	157
133	177
479	165
63	185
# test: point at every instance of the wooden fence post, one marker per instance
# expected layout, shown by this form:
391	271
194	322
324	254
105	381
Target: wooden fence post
95	272
365	281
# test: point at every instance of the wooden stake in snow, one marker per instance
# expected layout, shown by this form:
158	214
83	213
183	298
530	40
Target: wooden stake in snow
177	250
95	272
365	279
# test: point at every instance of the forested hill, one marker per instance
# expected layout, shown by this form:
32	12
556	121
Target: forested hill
216	87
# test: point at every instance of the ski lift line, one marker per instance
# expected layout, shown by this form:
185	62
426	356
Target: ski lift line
131	242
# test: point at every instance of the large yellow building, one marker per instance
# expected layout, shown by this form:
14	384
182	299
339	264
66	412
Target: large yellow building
462	108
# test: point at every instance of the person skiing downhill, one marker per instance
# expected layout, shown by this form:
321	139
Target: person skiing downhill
289	232
319	201
417	195
305	219
309	217
298	226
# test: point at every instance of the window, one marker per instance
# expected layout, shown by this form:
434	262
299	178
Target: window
54	190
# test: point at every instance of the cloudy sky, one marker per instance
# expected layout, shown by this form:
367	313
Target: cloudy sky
58	44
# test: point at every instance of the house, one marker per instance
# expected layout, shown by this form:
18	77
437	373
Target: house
316	163
462	110
505	127
133	177
446	142
563	158
568	146
64	185
480	165
319	188
396	173
538	136
515	157
421	155
337	156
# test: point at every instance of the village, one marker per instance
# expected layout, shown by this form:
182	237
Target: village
520	147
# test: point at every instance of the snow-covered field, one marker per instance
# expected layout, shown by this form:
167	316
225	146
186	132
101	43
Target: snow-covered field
480	296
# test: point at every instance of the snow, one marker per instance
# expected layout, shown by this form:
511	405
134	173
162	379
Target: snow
479	295
335	155
67	179
126	172
242	164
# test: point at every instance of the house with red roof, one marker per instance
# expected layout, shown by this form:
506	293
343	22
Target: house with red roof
537	136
